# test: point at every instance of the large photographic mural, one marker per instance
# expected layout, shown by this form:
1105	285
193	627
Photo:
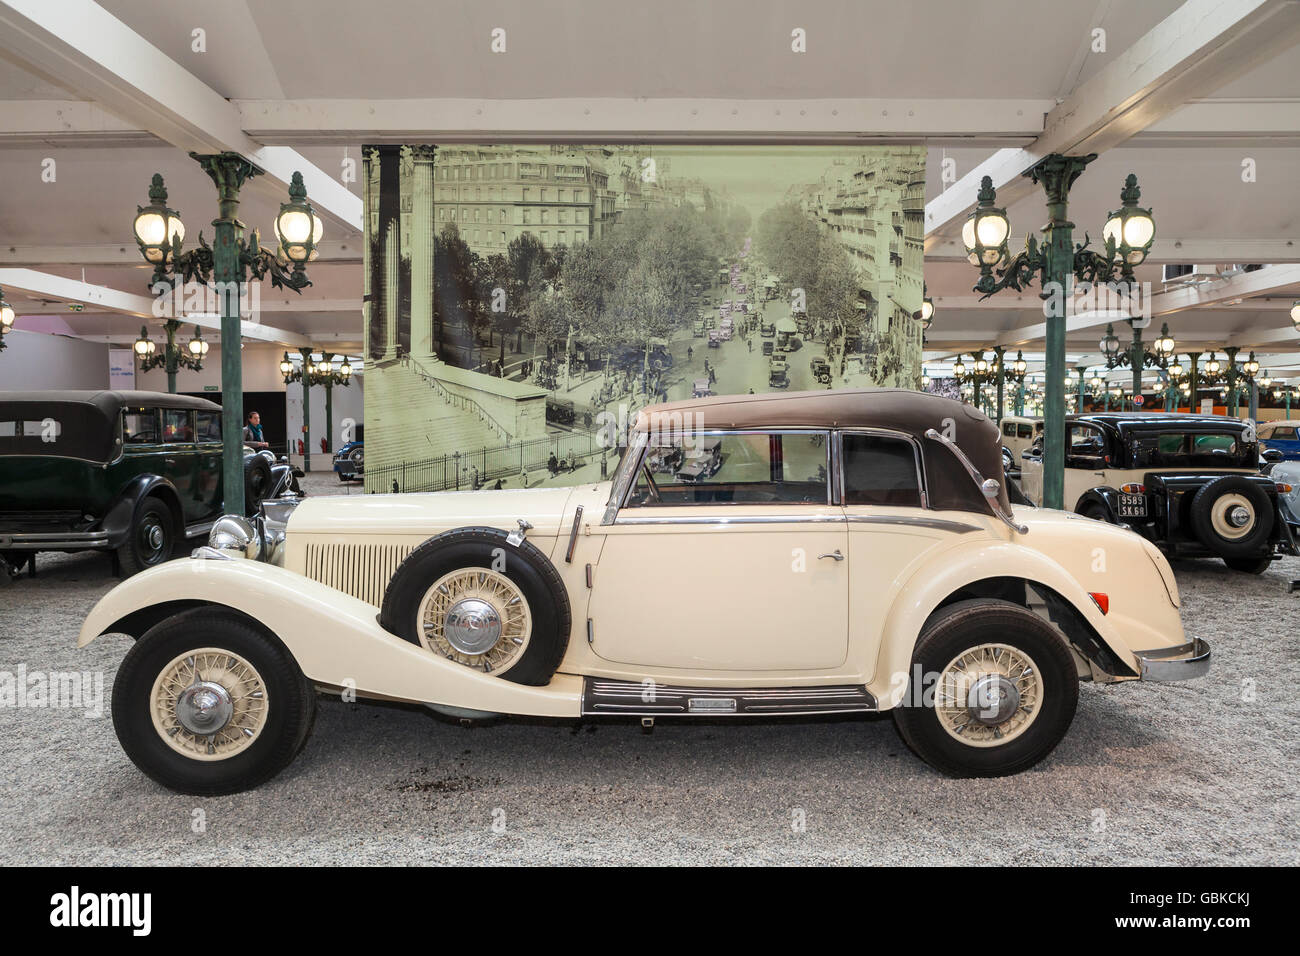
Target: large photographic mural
518	298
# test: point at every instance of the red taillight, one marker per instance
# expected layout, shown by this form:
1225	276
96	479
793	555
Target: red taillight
1101	600
1133	488
1282	488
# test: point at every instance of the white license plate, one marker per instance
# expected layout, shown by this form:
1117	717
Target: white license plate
1132	506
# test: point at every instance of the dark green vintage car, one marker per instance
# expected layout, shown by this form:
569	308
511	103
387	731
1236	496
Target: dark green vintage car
134	473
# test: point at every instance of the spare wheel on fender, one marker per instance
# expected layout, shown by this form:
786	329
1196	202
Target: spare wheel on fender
473	597
1233	517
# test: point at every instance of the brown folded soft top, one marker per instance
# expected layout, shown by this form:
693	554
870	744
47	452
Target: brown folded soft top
898	409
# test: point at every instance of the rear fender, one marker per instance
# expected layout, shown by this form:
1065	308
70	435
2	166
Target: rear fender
121	516
335	638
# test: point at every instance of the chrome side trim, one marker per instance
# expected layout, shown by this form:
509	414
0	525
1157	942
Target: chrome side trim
601	696
1182	662
41	540
731	519
937	524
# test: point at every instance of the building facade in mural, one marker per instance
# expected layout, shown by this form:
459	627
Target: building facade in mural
520	298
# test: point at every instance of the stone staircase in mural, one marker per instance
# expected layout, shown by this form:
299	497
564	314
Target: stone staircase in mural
411	416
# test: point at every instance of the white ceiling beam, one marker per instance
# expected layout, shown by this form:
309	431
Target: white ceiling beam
1195	50
332	251
608	120
84	48
98	298
1174	250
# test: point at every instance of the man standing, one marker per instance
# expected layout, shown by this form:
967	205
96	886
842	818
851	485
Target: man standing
253	436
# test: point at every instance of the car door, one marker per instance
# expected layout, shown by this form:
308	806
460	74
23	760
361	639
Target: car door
731	558
889	527
208	452
180	459
1085	461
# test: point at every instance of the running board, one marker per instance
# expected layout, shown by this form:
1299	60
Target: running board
648	699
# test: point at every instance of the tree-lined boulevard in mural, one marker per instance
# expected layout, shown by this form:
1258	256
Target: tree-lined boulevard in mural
684	291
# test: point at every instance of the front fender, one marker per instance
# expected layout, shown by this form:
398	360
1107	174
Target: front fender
334	637
964	565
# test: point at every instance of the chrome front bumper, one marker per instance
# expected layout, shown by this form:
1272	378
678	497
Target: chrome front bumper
1181	662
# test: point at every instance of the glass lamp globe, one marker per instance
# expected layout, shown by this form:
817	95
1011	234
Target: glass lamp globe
959	369
345	369
286	367
6	317
1212	366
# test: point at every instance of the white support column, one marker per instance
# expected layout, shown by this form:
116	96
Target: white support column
421	244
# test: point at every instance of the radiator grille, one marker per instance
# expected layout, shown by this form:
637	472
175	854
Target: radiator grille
362	570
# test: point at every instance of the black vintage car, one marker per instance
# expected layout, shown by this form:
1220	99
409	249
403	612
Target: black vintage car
133	473
1191	484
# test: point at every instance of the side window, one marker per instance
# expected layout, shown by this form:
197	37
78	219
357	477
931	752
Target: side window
1283	434
741	468
1085	442
1025	430
177	427
879	471
209	426
140	426
1009	429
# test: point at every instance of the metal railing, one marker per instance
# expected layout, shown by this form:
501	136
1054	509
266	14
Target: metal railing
477	469
455	399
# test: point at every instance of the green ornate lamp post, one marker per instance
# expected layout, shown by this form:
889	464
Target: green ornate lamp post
1137	356
173	358
1012	372
6	319
226	266
324	373
1128	234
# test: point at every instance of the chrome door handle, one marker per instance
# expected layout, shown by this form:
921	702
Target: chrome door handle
832	554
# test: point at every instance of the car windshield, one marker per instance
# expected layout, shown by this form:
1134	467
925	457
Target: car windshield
1192	450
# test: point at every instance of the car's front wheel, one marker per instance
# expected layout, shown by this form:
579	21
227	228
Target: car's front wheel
997	690
208	703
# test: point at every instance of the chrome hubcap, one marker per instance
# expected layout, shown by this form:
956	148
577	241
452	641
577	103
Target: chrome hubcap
1238	517
154	536
992	700
204	707
472	626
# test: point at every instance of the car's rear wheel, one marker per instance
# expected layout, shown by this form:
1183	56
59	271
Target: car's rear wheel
471	597
151	539
999	690
208	703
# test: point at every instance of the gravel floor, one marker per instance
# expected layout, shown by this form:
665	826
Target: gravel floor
1171	774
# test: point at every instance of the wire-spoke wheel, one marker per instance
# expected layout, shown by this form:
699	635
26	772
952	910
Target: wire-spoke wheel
996	692
209	704
988	695
476	617
496	605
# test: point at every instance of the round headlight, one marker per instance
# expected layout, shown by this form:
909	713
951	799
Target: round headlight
237	534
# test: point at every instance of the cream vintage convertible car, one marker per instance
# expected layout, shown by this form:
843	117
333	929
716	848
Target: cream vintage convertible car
852	551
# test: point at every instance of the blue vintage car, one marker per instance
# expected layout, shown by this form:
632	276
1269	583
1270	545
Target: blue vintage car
1284	436
350	460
